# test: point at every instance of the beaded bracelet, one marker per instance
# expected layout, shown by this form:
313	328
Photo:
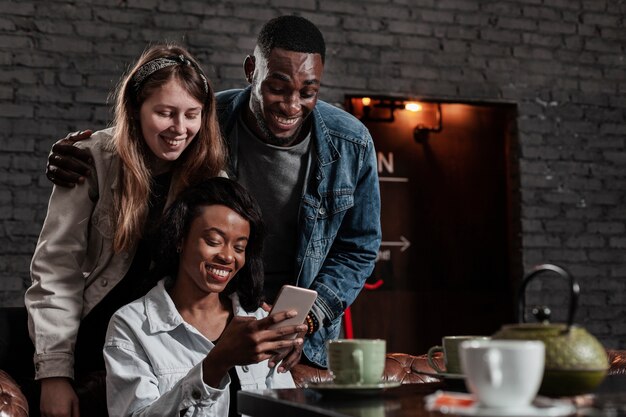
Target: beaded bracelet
309	324
312	323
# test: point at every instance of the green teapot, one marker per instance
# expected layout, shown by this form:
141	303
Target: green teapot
576	362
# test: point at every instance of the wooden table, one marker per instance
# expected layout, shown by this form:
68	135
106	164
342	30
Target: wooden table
403	401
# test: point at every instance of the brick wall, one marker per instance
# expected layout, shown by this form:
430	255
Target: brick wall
561	61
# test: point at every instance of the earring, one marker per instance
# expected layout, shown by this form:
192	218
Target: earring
179	249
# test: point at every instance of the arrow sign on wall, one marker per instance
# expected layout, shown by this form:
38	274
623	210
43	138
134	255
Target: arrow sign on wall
403	243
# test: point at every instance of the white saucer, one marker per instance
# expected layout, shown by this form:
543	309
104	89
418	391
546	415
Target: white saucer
364	389
466	405
554	409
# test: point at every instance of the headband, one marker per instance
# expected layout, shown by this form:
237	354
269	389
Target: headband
150	67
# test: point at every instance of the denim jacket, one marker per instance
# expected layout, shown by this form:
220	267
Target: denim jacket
339	218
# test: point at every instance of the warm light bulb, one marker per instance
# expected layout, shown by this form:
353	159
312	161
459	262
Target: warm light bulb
366	101
413	106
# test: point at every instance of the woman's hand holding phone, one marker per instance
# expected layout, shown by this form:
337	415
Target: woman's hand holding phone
301	300
246	340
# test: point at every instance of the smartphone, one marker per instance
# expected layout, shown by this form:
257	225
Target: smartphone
293	298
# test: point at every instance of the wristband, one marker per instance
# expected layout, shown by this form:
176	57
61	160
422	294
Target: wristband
312	323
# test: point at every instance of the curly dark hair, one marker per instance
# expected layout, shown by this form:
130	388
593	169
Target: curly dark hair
175	225
292	33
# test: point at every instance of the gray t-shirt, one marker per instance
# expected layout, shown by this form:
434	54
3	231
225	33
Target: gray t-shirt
275	176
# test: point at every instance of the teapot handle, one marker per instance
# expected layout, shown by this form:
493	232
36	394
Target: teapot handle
575	291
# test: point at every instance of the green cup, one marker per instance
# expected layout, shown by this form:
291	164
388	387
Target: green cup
450	348
356	361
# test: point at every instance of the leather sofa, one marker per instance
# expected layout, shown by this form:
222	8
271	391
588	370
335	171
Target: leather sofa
12	400
400	367
409	369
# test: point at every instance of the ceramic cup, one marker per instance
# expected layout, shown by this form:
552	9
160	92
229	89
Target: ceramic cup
503	373
356	361
450	348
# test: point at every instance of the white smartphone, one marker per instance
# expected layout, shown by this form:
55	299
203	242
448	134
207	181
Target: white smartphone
293	298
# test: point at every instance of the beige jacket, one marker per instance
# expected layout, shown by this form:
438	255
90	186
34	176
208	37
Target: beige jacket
74	265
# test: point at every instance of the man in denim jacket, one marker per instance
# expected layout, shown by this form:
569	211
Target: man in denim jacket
312	167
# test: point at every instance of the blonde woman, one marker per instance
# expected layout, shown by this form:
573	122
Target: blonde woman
95	248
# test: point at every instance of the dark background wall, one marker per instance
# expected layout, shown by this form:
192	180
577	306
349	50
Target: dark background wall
560	61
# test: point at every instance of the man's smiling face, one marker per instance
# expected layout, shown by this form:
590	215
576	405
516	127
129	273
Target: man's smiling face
285	89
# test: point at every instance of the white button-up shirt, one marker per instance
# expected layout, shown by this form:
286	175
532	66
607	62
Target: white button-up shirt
154	362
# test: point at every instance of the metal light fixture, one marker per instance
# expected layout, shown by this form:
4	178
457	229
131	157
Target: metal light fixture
383	108
421	132
380	109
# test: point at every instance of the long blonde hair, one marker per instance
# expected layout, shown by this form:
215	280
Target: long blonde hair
205	156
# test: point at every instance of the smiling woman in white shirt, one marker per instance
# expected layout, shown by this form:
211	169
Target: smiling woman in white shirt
188	345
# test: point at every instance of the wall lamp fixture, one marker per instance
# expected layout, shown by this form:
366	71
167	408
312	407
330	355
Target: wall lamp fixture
428	115
421	132
380	109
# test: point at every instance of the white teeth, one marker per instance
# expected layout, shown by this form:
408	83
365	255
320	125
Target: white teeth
173	142
286	121
219	272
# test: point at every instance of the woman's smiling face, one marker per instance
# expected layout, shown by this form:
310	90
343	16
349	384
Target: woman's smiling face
214	249
170	119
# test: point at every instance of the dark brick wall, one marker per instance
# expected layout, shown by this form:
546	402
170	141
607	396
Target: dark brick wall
561	61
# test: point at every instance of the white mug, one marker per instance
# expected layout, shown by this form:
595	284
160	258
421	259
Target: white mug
503	373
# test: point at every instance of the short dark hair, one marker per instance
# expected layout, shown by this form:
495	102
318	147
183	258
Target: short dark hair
248	283
292	33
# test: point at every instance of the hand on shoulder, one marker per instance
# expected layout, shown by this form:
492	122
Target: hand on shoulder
69	165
